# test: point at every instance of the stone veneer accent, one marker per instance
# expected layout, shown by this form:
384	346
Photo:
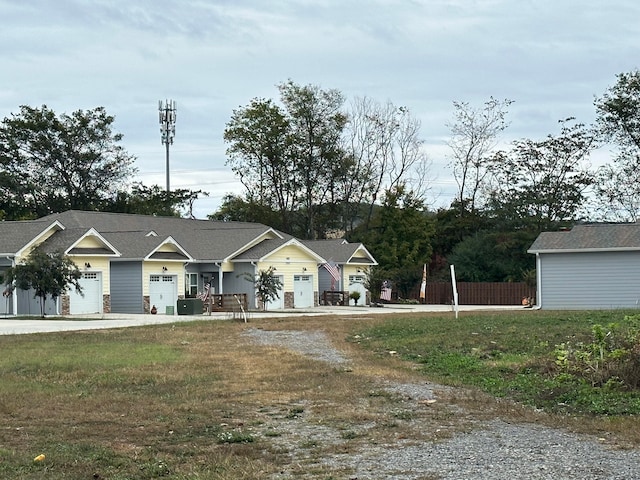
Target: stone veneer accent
65	305
146	307
288	299
106	303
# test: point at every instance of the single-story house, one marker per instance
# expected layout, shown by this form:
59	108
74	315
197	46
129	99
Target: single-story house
131	263
347	265
591	266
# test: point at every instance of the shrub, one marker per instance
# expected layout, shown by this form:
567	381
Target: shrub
612	358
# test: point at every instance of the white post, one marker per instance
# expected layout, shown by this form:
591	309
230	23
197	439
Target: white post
455	290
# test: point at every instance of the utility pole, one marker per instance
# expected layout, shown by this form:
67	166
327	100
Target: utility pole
167	113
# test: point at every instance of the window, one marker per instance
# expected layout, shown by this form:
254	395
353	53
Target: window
190	284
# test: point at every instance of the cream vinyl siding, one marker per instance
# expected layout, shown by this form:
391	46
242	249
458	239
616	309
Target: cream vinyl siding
98	264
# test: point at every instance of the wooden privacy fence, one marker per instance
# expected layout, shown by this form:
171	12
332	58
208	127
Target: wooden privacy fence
469	293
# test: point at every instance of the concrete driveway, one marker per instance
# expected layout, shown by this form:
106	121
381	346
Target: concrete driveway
14	326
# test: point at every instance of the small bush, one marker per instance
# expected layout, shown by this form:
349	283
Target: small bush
611	358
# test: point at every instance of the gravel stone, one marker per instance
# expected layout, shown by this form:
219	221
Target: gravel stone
494	450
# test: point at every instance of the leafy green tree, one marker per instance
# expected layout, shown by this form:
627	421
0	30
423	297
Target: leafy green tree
399	237
317	165
317	122
48	274
51	163
154	200
617	188
288	158
260	153
492	256
373	280
267	286
538	184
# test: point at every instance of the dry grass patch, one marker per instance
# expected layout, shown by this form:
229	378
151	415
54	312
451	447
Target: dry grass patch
204	400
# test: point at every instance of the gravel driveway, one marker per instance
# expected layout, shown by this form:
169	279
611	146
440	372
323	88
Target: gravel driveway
492	450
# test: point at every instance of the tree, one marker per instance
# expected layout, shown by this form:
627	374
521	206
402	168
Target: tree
154	200
54	163
617	190
540	183
267	286
399	237
474	136
493	256
384	149
260	153
318	166
48	274
317	122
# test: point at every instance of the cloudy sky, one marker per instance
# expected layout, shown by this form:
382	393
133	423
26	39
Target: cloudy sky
551	57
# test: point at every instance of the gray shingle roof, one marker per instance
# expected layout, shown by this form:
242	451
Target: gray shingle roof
337	250
16	235
589	237
205	240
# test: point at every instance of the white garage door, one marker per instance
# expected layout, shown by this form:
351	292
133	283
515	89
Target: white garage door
303	291
91	302
277	303
163	292
356	284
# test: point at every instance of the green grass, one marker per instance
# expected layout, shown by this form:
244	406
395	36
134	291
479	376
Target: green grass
507	355
200	400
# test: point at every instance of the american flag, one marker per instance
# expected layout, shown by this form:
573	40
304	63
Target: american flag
385	292
205	295
333	270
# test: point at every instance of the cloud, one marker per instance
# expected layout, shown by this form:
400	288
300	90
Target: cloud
550	57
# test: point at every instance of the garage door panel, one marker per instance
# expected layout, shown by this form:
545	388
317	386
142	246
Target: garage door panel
356	284
163	292
303	291
90	300
277	303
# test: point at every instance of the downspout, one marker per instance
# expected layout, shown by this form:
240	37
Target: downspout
14	296
538	304
255	273
219	289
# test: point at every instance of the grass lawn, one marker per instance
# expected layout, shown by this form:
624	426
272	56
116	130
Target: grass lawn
200	400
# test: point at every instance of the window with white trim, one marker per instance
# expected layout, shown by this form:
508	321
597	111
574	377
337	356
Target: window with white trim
190	284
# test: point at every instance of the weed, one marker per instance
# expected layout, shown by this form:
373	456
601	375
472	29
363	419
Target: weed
234	437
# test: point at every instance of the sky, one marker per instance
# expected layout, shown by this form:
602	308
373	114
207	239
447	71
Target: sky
550	57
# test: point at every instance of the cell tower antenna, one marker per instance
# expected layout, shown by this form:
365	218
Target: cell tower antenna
167	114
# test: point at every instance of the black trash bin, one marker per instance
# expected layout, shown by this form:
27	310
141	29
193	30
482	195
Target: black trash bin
190	306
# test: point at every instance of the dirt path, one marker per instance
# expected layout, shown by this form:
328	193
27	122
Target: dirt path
437	439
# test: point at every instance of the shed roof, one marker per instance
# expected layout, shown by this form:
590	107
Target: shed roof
589	237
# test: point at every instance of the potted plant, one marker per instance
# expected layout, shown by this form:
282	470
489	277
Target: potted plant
355	296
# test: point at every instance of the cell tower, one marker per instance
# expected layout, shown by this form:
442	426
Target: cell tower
167	114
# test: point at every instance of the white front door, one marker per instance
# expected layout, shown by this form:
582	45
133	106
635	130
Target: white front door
302	291
90	301
163	292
